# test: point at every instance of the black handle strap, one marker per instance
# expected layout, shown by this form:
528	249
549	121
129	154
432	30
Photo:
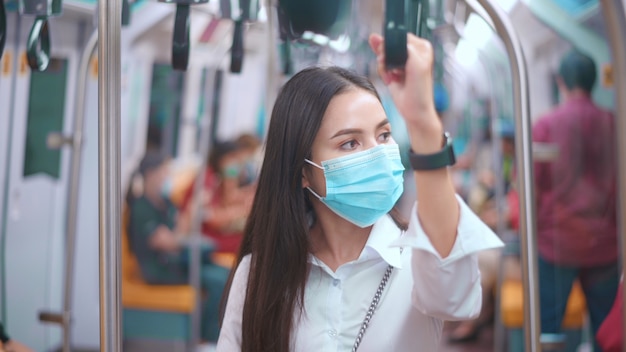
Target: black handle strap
180	43
38	46
3	27
237	51
395	34
125	12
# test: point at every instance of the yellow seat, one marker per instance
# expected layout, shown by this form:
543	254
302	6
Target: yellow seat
512	306
137	294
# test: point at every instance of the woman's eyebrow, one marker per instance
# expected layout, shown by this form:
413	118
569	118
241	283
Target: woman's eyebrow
357	130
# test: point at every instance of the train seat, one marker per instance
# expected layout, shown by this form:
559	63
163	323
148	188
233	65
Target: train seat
512	314
152	312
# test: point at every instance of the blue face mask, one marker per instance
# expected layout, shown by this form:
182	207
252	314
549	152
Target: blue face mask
167	188
364	186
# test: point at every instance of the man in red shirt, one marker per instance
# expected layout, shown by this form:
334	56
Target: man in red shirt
576	199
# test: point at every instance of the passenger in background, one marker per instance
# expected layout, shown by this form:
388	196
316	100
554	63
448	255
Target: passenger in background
160	243
576	199
252	158
226	203
490	261
9	345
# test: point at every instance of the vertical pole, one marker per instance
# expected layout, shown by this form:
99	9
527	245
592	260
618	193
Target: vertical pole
615	21
524	164
109	190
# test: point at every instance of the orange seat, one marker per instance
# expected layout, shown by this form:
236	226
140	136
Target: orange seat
137	294
512	306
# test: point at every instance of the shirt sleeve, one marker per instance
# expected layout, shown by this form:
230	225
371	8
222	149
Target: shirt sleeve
230	333
448	288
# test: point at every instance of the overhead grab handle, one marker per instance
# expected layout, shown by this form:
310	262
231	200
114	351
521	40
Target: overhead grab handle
3	27
126	12
180	44
38	46
395	34
181	38
237	50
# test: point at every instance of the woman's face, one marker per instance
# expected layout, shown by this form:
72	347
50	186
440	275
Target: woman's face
155	179
353	122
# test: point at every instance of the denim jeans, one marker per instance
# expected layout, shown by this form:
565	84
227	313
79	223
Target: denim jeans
599	285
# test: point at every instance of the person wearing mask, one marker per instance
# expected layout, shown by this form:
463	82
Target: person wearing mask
158	240
326	263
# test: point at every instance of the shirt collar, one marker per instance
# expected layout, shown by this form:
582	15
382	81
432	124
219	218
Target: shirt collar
383	233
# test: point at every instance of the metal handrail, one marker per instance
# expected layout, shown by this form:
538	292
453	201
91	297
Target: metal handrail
109	188
615	21
523	142
74	181
56	140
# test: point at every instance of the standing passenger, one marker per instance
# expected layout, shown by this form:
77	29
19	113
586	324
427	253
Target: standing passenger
576	204
323	244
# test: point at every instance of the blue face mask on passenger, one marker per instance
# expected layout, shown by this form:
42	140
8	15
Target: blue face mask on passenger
364	186
167	188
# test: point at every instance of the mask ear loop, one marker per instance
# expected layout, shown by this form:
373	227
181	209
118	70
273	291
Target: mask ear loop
313	192
314	164
309	188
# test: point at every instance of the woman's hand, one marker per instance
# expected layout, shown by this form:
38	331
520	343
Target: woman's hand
14	346
412	92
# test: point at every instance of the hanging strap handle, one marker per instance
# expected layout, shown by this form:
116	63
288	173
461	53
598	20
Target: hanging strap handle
3	27
395	34
237	50
38	45
180	43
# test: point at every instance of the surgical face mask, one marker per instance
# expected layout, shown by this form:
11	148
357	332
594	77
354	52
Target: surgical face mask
231	171
167	188
364	186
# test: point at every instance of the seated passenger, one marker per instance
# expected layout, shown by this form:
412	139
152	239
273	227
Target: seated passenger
159	244
252	158
491	261
226	201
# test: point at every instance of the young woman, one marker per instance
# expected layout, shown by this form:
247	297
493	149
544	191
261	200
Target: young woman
320	252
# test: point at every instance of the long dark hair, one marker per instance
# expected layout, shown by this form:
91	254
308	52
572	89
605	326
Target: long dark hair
277	232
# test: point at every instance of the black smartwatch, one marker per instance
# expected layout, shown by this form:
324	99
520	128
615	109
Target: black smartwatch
444	157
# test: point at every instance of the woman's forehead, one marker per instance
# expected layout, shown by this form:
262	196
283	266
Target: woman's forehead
355	108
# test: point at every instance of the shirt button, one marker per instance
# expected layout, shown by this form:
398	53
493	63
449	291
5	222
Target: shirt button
332	332
336	282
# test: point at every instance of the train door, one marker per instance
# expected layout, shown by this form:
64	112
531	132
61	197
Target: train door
37	187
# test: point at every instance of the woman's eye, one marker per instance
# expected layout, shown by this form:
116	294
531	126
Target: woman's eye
350	145
384	137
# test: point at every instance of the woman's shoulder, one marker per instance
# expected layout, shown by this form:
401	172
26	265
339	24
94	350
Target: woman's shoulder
243	268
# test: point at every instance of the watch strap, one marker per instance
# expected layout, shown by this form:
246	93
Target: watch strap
443	158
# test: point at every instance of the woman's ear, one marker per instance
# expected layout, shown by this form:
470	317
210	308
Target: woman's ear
305	179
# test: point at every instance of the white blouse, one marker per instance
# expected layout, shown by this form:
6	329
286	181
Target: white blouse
422	292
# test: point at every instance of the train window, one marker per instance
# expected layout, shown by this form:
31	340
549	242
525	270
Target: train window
165	109
46	108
